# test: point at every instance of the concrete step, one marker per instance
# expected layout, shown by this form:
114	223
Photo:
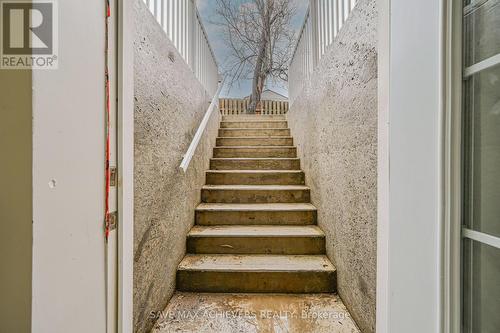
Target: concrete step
254	124
250	117
253	132
255	152
255	194
251	313
255	177
255	313
225	273
255	141
264	239
255	164
256	214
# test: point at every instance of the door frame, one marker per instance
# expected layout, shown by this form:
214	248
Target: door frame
451	291
410	165
125	165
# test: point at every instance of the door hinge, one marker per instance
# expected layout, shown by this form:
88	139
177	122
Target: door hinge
113	221
113	176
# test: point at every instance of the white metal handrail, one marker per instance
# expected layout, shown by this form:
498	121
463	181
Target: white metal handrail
323	21
214	105
182	24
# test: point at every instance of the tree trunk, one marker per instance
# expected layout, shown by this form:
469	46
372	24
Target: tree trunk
257	88
260	72
258	82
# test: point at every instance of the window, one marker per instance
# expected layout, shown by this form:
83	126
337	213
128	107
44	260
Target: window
481	167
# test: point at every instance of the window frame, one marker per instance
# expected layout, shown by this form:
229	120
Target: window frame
452	174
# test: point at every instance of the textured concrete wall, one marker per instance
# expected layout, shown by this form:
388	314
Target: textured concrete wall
334	123
169	106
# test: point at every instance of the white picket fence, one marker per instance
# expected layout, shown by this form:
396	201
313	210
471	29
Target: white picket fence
182	23
323	21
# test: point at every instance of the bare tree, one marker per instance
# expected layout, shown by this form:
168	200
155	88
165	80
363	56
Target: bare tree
260	39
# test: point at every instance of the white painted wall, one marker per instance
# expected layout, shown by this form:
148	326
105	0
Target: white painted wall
409	166
68	147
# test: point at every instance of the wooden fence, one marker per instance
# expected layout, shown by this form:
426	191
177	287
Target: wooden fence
230	106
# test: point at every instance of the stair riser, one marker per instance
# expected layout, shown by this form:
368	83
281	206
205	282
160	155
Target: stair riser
254	142
256	282
209	218
255	152
264	132
296	178
255	196
245	118
291	164
257	245
258	124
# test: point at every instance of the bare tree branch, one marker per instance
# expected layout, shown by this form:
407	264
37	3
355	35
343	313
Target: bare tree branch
259	36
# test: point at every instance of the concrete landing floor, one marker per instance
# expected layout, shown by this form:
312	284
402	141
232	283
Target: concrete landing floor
255	313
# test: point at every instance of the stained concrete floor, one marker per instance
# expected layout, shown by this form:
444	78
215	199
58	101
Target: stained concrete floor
255	313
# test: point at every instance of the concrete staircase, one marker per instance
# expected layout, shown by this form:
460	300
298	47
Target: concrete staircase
255	228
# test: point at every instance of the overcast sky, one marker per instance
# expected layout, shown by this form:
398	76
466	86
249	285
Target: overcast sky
207	12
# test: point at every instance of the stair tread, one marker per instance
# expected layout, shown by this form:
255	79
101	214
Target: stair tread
252	121
255	115
256	207
255	158
255	147
255	187
256	263
256	231
255	141
253	129
255	171
255	137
